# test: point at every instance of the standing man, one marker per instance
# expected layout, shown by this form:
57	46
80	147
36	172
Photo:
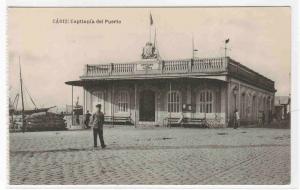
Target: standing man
236	119
98	120
87	119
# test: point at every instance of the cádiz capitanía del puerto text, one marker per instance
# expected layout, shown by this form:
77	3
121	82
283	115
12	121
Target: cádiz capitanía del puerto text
85	21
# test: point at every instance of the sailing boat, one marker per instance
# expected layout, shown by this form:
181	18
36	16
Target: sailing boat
32	111
13	105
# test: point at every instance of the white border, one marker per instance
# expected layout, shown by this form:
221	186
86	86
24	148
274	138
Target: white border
90	3
4	99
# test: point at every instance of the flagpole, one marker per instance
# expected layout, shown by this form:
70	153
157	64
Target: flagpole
155	44
154	41
193	46
150	27
150	33
225	49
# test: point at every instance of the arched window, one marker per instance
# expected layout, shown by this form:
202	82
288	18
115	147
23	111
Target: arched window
205	101
123	101
174	101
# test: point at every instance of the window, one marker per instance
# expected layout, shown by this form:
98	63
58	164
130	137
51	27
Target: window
248	103
254	107
243	106
258	103
264	104
205	101
174	101
268	104
123	101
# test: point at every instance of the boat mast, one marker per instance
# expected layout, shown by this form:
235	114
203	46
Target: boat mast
22	98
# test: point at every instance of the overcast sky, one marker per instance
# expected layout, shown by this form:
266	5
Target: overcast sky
54	53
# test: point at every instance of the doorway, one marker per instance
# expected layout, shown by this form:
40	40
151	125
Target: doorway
147	105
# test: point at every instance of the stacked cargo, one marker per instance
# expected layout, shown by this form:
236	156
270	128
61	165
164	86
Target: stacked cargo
45	121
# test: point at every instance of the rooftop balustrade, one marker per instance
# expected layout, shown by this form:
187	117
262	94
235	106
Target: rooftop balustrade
198	67
157	67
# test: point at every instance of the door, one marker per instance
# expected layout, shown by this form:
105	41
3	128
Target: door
147	106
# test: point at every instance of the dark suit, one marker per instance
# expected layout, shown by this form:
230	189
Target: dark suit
87	120
98	120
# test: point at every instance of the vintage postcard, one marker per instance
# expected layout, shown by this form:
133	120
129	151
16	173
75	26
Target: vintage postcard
149	95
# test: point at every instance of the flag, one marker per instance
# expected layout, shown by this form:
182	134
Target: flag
151	20
226	41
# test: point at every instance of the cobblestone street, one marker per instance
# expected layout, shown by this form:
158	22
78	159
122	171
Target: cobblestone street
152	156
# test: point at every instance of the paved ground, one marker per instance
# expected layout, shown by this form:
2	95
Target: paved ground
152	156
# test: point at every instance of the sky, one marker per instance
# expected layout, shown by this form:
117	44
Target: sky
51	53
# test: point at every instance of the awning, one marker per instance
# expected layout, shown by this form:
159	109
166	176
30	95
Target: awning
84	82
76	83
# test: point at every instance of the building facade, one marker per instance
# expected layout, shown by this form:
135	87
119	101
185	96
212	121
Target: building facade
152	90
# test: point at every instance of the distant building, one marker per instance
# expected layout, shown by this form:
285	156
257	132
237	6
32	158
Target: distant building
282	107
152	91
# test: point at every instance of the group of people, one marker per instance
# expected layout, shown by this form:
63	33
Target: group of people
98	121
236	119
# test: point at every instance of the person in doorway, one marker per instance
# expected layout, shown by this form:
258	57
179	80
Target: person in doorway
87	119
97	122
236	117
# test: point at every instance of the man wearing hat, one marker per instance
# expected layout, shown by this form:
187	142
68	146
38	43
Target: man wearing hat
97	123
